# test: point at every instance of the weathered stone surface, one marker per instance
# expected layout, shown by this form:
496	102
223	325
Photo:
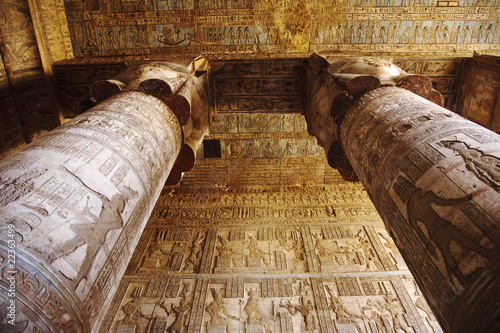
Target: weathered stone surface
290	259
433	176
74	204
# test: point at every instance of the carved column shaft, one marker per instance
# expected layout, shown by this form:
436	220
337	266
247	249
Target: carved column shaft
434	177
73	205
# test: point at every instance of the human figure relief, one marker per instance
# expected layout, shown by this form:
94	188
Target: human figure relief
372	259
109	218
181	311
323	249
296	248
218	313
256	253
393	306
193	260
134	316
435	232
252	308
225	250
306	311
485	167
156	251
341	314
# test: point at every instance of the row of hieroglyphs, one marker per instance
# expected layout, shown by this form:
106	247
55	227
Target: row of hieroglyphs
345	193
119	27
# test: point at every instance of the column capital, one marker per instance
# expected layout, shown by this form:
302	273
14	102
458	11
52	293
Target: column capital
334	87
181	88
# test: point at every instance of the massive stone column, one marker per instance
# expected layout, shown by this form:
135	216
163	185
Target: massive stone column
73	204
434	177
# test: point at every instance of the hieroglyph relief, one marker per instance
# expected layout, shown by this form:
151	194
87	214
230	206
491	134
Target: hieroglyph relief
262	273
79	197
22	62
363	305
193	27
443	190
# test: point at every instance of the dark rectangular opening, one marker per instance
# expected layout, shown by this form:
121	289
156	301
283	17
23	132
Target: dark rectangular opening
211	148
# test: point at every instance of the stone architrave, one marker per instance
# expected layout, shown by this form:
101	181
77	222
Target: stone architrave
433	176
73	205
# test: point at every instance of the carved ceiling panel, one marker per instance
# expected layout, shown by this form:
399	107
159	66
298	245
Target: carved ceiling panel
258	86
243	28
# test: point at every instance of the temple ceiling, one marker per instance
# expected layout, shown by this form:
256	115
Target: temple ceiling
245	28
78	42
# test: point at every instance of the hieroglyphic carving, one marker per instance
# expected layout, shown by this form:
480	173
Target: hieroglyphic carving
174	250
76	195
196	319
325	321
23	66
73	83
162	28
260	86
412	316
40	296
242	233
457	167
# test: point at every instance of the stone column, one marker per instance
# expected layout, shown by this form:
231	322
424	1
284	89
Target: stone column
434	177
72	207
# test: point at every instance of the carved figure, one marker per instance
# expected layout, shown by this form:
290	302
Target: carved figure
225	251
485	167
256	253
305	310
109	218
252	308
155	250
134	316
370	255
192	262
323	249
181	312
341	313
396	310
171	37
435	232
296	248
218	313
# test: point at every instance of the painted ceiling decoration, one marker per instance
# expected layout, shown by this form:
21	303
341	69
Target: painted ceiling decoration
156	28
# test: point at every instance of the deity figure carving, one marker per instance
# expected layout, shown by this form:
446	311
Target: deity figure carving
256	253
296	248
342	314
225	250
307	311
393	306
192	263
253	309
218	313
485	167
109	218
181	311
134	316
439	235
